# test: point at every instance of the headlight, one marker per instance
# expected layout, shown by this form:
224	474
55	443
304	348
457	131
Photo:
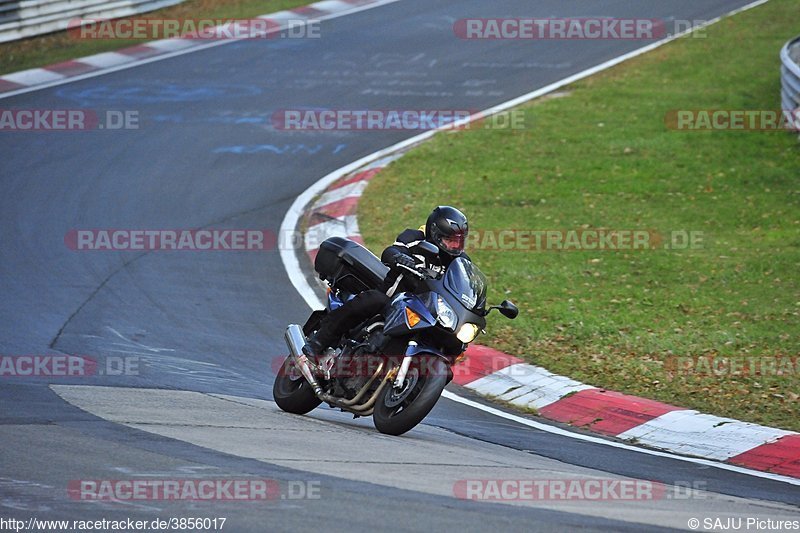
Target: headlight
445	314
467	333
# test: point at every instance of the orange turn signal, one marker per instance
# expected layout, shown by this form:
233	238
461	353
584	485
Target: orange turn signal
412	318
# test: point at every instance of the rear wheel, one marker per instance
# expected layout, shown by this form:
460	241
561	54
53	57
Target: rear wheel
291	391
400	409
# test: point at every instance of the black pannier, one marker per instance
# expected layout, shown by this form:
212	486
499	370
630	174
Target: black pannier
349	266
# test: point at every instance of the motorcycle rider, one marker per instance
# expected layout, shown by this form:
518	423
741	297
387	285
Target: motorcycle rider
446	228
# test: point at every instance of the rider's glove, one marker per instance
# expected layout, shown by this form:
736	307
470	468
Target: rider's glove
404	260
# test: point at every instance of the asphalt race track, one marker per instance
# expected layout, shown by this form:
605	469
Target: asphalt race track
205	329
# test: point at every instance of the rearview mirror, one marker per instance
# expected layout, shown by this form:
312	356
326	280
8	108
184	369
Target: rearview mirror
427	249
507	309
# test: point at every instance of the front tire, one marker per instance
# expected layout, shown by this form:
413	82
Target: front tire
399	411
292	392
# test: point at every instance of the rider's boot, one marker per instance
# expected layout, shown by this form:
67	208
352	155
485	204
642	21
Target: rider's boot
313	347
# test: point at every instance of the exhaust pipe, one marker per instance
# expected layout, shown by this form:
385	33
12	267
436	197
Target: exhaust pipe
295	340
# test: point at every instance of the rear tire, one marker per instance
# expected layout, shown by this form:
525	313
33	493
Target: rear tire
292	392
393	418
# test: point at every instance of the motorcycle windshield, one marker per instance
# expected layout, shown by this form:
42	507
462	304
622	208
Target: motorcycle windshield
466	282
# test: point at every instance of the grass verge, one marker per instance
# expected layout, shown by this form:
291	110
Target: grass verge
60	46
602	157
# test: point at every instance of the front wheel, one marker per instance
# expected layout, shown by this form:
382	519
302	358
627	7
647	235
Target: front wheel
399	410
292	392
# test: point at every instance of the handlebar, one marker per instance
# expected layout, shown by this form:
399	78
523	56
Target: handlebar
416	272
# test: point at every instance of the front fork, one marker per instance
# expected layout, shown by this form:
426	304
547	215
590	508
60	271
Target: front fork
404	366
413	351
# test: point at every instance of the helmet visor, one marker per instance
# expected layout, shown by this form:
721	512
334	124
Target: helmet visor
454	243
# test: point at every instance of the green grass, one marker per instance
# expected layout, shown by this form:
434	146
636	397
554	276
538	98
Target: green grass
60	46
602	157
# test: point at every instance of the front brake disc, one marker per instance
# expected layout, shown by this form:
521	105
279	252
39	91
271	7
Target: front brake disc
396	396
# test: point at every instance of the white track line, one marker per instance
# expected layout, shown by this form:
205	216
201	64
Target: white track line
298	279
162	44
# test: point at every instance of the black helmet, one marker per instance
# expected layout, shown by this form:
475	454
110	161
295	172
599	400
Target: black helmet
447	228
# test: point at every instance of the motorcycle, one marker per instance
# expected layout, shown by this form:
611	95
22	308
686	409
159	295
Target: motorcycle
428	328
